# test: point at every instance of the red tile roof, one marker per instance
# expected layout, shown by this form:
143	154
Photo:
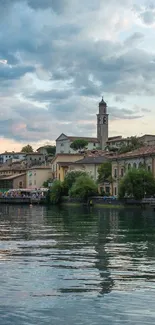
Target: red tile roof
143	151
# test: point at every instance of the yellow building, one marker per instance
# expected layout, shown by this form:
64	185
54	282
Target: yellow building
134	159
61	163
36	176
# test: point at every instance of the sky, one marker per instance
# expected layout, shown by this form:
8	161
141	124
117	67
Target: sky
58	57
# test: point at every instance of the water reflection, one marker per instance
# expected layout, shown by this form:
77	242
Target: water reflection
55	261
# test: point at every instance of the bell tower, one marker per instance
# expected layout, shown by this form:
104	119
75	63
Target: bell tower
102	124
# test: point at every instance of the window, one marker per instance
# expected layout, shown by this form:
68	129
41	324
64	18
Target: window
20	184
149	168
122	172
115	172
134	165
129	166
62	144
115	190
34	182
140	165
94	144
30	183
39	158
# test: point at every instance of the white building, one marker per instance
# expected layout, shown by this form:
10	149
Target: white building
15	156
63	143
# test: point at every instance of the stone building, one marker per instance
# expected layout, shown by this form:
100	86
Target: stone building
144	156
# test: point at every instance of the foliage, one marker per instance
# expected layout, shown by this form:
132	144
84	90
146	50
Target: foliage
79	144
51	150
27	149
137	183
83	188
45	184
56	192
135	143
70	179
104	172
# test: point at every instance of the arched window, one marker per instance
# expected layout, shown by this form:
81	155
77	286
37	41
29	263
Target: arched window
134	165
140	165
129	166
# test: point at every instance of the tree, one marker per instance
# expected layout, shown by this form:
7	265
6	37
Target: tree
70	179
46	183
83	188
137	183
79	144
56	192
51	150
135	143
27	149
104	172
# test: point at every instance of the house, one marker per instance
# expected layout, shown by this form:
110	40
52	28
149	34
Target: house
89	165
61	162
13	182
15	156
133	159
14	169
34	158
37	175
63	143
119	141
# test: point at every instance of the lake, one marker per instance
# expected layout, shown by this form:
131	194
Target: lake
75	266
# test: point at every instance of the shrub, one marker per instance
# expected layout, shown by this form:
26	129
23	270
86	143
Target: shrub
83	188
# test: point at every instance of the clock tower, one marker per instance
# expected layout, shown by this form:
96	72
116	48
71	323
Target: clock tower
102	124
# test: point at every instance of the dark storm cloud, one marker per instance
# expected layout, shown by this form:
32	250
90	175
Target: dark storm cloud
55	37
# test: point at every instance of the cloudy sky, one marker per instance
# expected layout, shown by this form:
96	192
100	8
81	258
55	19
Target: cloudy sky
58	57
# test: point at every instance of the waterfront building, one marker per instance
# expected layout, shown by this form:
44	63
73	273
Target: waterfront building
15	181
61	163
144	156
37	175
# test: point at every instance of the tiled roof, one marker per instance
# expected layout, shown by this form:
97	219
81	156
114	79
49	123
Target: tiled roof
92	160
12	176
143	151
89	139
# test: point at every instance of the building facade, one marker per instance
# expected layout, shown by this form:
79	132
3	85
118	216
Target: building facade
63	143
121	164
15	156
34	158
36	176
61	163
13	182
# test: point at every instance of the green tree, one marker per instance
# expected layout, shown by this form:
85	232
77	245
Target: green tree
79	144
135	143
70	179
105	172
51	150
137	183
27	149
83	188
56	192
46	183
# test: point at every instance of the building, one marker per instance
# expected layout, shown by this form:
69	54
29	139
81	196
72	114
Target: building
102	124
34	158
117	142
37	175
15	156
61	163
63	143
14	169
13	182
89	165
134	159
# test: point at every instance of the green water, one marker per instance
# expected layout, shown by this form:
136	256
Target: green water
75	266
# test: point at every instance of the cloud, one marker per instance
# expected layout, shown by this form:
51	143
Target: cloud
62	55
